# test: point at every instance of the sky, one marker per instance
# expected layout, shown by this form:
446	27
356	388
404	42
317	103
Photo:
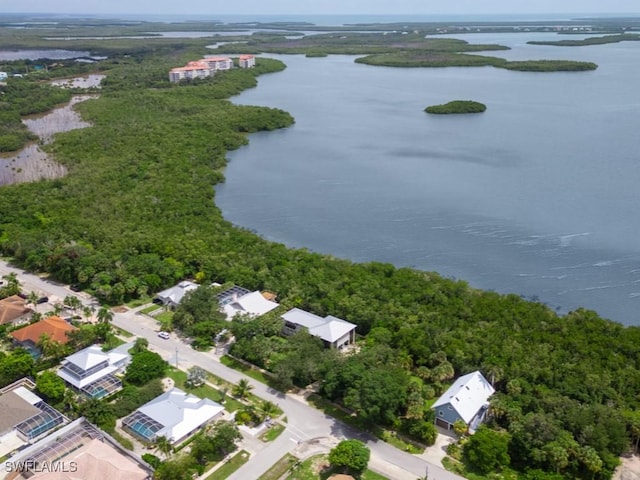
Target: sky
302	7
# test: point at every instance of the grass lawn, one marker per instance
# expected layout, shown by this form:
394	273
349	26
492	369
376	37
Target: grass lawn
279	468
136	302
248	371
164	317
369	475
231	466
112	342
273	433
317	468
204	391
149	309
121	331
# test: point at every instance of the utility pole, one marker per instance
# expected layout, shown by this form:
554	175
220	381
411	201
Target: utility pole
176	357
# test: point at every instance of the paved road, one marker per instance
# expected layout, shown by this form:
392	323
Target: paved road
305	423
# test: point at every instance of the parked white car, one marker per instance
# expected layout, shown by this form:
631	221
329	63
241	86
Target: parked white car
164	335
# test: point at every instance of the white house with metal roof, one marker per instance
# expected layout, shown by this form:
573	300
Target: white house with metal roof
467	400
175	415
171	297
93	371
333	331
252	304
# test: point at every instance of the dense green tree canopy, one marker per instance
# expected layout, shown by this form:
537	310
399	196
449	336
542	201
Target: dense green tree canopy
487	450
15	365
51	386
350	455
145	366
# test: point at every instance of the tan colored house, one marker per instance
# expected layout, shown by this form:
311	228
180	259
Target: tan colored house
14	310
96	460
78	451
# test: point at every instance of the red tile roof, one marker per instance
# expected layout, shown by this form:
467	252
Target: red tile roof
55	327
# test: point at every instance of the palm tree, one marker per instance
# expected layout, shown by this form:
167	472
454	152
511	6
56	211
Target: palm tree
443	372
57	309
495	373
32	299
45	344
70	399
141	344
269	409
163	445
88	311
73	302
223	394
242	389
105	315
12	287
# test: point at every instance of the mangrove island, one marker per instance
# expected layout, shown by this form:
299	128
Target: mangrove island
457	106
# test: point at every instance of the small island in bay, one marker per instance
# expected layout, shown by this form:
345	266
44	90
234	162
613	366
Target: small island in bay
457	106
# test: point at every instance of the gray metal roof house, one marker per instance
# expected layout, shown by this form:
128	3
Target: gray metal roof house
466	400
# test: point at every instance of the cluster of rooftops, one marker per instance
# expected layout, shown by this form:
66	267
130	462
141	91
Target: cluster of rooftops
33	434
38	442
208	66
27	423
466	399
334	332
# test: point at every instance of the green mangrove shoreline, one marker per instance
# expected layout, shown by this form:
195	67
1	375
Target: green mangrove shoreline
626	37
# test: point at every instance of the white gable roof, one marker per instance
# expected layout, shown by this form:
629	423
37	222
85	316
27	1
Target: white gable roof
467	395
179	413
302	318
253	304
174	294
329	328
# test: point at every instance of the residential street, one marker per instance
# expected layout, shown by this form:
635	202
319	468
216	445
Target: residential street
304	423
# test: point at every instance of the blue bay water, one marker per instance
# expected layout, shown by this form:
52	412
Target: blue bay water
538	196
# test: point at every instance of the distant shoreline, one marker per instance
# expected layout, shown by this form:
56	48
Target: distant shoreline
338	19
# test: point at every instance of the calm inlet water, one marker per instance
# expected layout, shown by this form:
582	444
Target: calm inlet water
537	196
31	163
